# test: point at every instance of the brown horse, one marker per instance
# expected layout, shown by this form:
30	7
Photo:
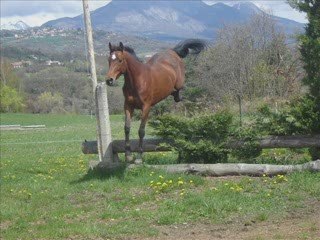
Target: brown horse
147	84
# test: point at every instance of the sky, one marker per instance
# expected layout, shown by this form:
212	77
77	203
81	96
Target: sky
37	12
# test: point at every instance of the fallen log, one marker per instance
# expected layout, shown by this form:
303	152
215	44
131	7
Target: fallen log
240	169
158	145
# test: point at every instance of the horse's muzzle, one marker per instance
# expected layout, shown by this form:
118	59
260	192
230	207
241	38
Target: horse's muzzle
110	82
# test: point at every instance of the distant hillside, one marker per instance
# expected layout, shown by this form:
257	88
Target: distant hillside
59	44
169	20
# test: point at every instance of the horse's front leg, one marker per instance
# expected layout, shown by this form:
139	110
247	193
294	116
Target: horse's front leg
144	118
128	113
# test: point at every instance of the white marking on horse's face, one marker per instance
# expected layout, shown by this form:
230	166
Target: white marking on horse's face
113	56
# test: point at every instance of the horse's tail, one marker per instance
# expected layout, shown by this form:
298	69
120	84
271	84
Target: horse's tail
195	45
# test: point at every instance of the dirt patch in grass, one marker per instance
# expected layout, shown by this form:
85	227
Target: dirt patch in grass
5	225
301	224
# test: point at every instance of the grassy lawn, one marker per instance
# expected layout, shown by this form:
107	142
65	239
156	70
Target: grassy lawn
47	191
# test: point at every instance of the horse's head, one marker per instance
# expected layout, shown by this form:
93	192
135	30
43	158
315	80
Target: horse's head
117	63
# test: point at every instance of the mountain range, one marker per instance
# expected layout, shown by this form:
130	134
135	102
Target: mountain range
169	20
20	25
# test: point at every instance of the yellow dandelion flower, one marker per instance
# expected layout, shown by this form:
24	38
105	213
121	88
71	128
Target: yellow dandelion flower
180	182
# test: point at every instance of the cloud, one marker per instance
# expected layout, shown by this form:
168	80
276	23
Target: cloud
27	8
281	9
278	8
37	12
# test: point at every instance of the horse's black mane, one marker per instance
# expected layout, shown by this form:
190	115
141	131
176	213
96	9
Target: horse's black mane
132	52
129	50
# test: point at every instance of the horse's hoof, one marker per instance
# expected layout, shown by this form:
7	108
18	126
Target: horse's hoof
176	96
138	161
177	99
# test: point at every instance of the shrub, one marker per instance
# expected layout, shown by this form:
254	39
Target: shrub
301	116
50	103
203	139
298	117
250	148
11	101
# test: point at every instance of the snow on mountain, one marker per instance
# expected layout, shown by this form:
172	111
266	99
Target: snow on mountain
20	25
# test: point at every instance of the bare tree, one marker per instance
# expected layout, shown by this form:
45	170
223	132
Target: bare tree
249	60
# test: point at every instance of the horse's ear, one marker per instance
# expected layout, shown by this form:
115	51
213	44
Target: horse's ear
110	47
121	46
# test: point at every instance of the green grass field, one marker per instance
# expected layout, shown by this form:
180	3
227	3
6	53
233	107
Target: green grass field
47	191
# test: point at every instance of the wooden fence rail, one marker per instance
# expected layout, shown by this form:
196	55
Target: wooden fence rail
161	145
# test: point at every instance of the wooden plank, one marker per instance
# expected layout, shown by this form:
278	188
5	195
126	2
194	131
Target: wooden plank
157	145
10	127
118	146
19	127
297	141
33	127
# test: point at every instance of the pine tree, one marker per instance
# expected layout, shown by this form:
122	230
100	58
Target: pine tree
310	45
310	51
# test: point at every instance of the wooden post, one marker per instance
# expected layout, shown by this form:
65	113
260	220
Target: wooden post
104	128
100	95
240	109
88	27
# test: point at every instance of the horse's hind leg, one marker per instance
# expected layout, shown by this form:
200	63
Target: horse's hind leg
178	86
144	118
128	113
